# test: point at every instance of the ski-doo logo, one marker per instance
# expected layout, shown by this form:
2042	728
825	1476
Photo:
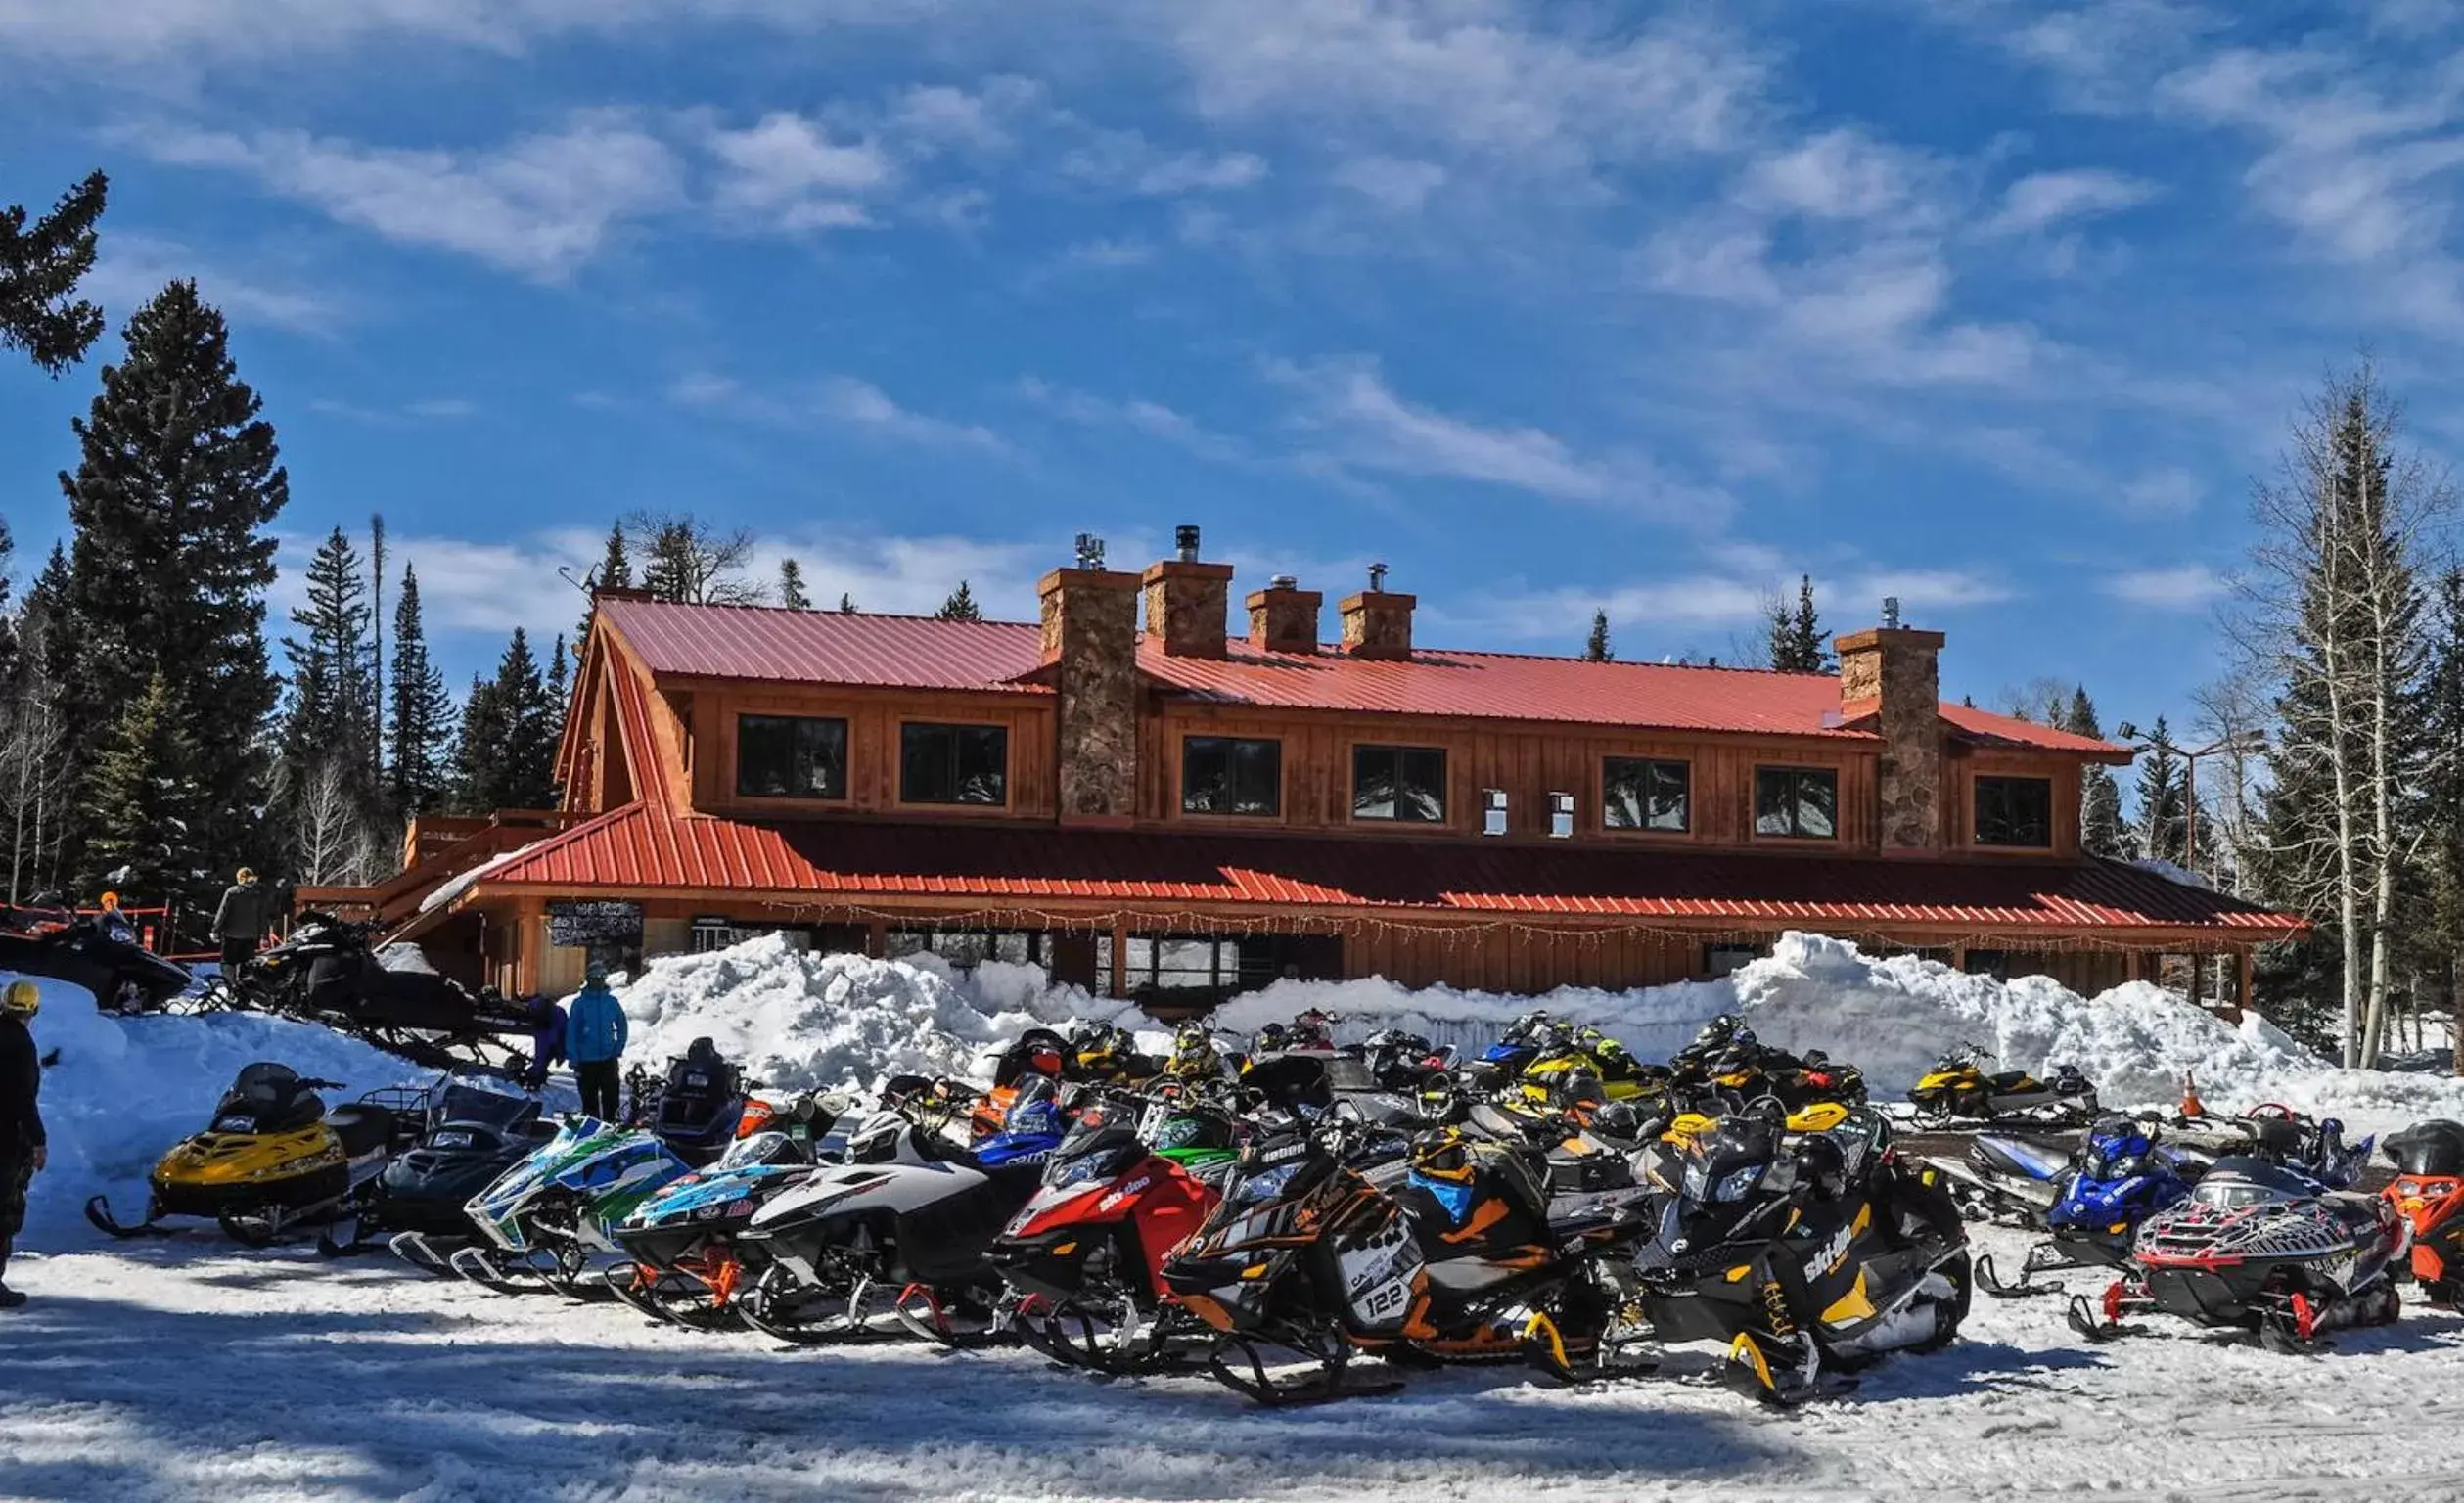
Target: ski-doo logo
1124	1193
1827	1256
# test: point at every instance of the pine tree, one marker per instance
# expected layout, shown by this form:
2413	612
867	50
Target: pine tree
614	572
169	506
2439	941
506	755
2164	819
148	804
421	713
328	779
847	605
553	702
792	586
1797	645
961	605
690	562
477	750
1595	647
39	271
375	647
2102	831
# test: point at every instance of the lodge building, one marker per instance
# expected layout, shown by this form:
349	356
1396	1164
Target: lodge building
1122	793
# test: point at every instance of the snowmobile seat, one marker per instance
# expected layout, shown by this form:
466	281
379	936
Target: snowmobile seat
363	1128
2013	1156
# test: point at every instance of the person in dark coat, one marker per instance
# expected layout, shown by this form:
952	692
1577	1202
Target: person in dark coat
22	1147
241	922
547	1040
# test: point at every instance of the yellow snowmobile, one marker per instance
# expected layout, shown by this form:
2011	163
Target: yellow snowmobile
273	1158
1571	1061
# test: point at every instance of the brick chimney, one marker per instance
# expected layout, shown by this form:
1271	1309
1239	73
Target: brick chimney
1090	637
1283	617
1377	624
1186	599
1893	673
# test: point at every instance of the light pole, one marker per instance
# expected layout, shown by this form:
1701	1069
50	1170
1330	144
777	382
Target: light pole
2243	742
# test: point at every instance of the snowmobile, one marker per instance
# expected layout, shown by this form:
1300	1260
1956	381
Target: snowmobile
1105	1053
472	1135
272	1157
1600	1062
1958	1088
1084	1256
2121	1176
1403	1062
124	977
686	1266
1464	1260
2260	1249
2005	1179
554	1214
2428	1191
701	1104
911	1215
1037	1054
1807	1265
324	972
1504	1061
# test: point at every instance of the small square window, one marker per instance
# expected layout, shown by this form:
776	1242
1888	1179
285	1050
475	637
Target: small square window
1399	782
1224	775
1492	811
1561	816
1640	795
1796	802
791	756
953	764
2015	811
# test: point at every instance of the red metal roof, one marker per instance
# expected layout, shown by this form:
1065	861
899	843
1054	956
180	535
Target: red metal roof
642	850
824	647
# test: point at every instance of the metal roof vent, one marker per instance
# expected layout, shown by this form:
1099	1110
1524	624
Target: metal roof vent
1377	578
1090	551
1284	582
1890	612
1185	539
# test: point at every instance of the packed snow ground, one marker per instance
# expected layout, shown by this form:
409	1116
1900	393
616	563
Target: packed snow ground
187	1370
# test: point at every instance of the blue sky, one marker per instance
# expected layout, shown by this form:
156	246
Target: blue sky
1995	306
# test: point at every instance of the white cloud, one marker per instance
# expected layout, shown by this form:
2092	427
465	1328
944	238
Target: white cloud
1837	174
2181	588
788	172
2163	492
1736	593
133	267
1152	419
1395	184
1126	162
538	205
2044	199
863	405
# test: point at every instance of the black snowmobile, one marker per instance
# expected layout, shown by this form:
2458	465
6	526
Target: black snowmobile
474	1134
67	946
1810	1263
700	1104
324	972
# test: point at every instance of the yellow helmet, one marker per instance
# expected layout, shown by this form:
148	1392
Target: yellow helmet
110	902
22	999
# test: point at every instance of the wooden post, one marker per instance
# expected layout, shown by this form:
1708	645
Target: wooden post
877	937
1959	957
2198	979
1119	978
2245	992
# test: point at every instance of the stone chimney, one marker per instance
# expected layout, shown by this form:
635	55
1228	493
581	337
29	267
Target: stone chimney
1186	600
1891	672
1283	617
1090	639
1376	623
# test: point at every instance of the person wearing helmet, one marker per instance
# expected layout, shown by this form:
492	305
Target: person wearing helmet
241	920
113	923
22	1147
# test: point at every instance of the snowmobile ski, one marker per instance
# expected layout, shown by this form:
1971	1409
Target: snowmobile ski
1329	1382
414	1249
1989	1279
99	1211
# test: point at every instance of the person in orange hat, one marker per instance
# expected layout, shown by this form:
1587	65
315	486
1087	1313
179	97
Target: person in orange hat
114	924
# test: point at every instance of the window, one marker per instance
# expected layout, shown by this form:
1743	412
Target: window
968	948
1637	794
1161	964
2015	811
1405	782
953	764
790	757
1220	775
1561	816
1800	803
1721	960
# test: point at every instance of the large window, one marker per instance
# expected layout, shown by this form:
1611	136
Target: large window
1220	775
791	756
1798	802
2015	811
1405	782
953	764
1638	794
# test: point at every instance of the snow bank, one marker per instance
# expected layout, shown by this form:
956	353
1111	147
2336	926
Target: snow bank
802	1021
124	1089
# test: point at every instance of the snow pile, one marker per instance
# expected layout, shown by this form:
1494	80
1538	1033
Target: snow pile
797	1021
2179	876
124	1089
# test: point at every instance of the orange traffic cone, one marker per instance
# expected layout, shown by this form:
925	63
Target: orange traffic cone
2191	1106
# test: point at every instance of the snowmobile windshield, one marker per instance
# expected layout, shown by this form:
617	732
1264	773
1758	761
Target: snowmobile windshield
1727	1163
482	1107
2115	1153
1192	1130
266	1098
1084	1158
2237	1182
760	1147
2434	1149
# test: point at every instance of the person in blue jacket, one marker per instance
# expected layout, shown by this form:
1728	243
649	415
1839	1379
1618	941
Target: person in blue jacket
547	1040
594	1040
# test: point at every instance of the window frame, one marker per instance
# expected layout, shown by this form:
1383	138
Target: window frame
1001	729
847	756
1275	813
1400	751
1796	770
1975	811
1684	830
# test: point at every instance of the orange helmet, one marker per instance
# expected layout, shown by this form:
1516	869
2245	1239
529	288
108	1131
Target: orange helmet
110	902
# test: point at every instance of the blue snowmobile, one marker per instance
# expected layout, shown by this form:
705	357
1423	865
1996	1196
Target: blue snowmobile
2119	1177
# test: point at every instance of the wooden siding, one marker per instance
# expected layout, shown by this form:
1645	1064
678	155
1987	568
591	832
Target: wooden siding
1959	798
873	722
